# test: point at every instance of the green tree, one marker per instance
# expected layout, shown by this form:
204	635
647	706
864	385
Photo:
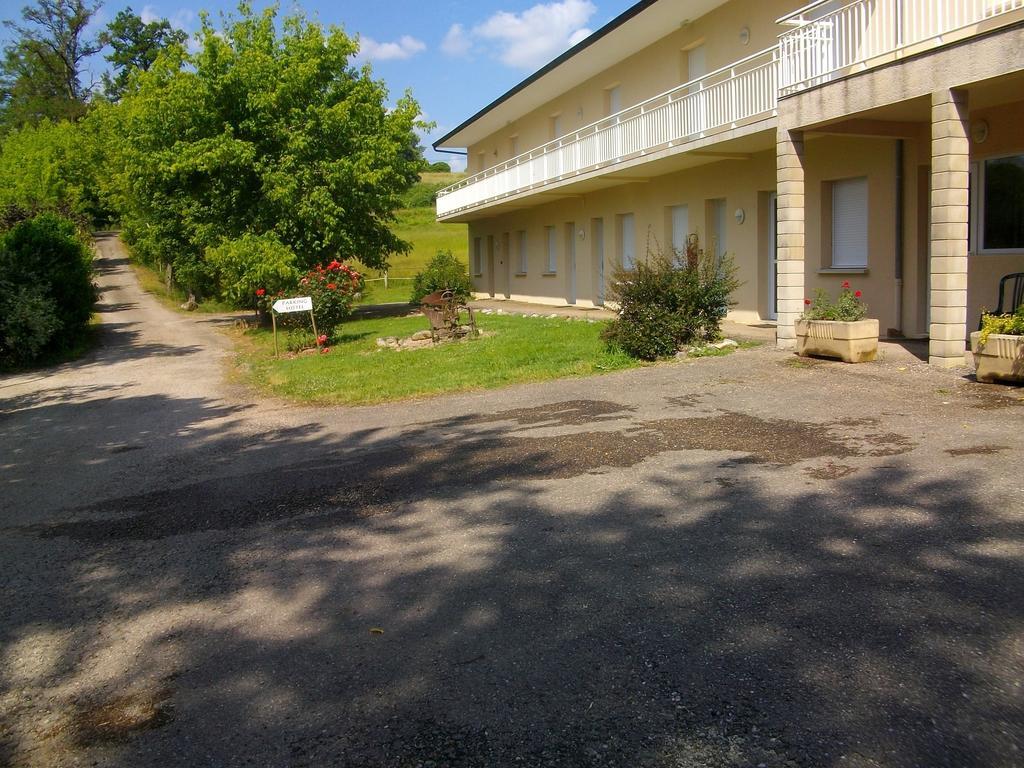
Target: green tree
41	72
134	47
268	129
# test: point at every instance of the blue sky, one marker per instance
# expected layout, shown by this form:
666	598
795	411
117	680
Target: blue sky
456	55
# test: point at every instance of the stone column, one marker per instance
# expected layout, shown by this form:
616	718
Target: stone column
789	276
948	247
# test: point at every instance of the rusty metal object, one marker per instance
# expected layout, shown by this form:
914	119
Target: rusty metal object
444	312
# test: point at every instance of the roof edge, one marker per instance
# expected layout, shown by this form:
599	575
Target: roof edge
611	26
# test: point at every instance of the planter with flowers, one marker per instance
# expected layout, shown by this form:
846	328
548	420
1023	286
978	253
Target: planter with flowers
999	348
837	329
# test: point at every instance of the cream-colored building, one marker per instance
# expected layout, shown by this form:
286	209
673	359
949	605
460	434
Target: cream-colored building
875	141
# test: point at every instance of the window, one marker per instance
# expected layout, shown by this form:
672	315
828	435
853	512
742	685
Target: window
850	223
478	257
552	240
613	100
679	221
1002	204
521	247
627	241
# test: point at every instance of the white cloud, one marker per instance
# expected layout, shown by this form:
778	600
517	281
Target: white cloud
457	42
180	19
404	48
526	40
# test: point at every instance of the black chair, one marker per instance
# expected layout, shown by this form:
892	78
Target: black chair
1016	297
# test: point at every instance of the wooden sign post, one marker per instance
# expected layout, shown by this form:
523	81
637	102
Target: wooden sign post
286	306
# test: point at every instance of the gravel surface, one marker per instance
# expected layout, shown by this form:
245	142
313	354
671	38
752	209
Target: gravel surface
752	560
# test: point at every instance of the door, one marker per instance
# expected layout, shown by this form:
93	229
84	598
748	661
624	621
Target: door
597	248
773	256
716	228
505	265
490	265
570	257
696	67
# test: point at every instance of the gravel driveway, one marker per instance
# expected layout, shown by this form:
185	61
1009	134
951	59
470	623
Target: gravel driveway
742	561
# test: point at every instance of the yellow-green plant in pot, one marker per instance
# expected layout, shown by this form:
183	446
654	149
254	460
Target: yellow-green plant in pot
999	348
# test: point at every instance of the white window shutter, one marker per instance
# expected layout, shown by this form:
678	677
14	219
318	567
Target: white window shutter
850	223
680	228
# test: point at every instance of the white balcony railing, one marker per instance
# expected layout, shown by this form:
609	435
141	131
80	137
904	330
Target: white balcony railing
834	38
742	92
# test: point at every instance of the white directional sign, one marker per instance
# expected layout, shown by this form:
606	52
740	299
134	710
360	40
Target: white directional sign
298	304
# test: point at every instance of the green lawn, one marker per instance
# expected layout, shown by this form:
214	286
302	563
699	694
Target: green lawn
356	371
397	291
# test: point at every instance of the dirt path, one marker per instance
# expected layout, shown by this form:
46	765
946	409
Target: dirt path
739	561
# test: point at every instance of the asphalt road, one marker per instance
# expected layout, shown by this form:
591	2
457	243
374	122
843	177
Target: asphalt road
741	561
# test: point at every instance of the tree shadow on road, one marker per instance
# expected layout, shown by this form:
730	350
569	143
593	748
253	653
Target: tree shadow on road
568	585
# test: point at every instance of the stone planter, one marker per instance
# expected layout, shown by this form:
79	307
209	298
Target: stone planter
851	342
1001	359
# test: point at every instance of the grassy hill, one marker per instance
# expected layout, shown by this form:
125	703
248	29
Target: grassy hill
417	224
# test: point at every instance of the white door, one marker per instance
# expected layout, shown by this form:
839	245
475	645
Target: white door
717	228
773	256
597	238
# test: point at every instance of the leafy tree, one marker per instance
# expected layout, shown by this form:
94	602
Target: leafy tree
135	46
266	130
41	71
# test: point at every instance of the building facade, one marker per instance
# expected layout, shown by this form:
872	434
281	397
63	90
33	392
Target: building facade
875	141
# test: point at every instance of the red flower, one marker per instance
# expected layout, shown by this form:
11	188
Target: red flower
846	283
807	302
261	291
325	350
321	339
331	286
334	266
857	294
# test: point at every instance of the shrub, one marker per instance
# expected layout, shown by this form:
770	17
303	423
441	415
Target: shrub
46	288
668	301
848	307
250	263
444	273
334	289
422	194
1012	325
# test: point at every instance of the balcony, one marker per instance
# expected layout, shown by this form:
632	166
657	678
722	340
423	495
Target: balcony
834	39
725	99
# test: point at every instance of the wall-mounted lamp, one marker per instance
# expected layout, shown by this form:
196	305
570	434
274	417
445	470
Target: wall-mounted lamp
581	235
979	131
740	215
744	35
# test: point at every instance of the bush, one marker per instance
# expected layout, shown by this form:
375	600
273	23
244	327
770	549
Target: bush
334	290
251	263
421	195
46	288
848	307
1012	325
444	273
669	301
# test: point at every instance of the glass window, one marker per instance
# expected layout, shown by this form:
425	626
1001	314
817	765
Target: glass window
478	259
523	258
1003	215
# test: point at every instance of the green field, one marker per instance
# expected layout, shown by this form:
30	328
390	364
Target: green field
356	371
419	227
